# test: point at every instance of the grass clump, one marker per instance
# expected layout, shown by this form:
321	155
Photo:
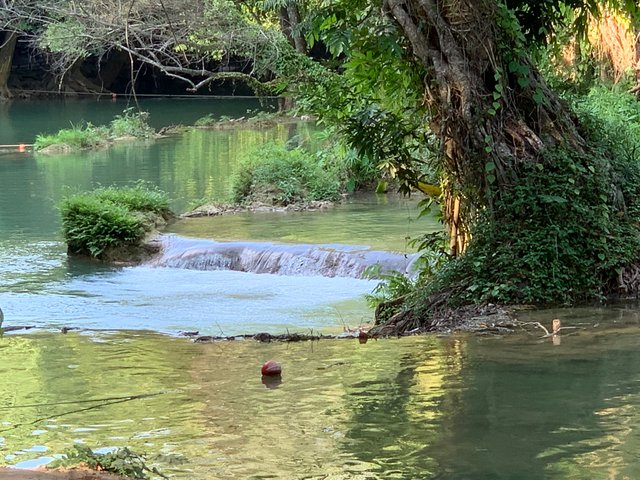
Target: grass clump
88	136
80	137
121	462
278	176
94	223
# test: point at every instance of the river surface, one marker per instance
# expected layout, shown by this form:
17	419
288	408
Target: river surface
42	287
456	407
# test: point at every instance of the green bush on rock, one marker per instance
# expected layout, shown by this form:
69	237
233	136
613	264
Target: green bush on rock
101	222
278	176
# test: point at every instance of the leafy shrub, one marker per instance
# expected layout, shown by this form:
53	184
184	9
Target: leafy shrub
131	123
393	285
279	176
109	218
122	462
567	228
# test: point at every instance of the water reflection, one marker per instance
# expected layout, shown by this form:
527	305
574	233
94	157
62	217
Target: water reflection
457	407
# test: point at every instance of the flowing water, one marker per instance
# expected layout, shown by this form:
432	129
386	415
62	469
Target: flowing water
458	407
42	287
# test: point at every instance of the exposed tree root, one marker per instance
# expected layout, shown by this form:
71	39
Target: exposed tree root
629	281
440	317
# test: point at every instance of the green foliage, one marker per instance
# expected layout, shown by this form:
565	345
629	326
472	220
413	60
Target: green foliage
542	19
278	176
88	136
66	37
392	285
122	462
376	104
209	120
131	123
569	225
77	137
109	218
256	118
140	198
611	116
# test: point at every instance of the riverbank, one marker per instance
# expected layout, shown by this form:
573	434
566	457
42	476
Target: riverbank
487	320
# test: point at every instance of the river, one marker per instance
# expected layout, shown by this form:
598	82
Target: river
454	407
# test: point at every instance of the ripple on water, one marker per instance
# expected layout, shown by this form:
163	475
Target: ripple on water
447	408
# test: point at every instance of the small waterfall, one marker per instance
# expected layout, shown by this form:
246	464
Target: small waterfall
280	259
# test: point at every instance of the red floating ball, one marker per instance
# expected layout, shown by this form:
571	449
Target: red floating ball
271	368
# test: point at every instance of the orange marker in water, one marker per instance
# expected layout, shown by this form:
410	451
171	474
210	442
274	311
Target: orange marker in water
22	147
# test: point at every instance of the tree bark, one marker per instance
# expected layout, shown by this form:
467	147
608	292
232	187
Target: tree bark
489	105
7	48
637	66
289	17
299	41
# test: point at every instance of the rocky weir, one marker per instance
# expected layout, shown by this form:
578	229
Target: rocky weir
328	260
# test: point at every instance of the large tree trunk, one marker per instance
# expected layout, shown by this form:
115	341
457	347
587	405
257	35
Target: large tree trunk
7	48
289	17
491	108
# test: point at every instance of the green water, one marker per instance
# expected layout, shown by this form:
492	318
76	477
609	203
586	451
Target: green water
42	287
21	121
457	407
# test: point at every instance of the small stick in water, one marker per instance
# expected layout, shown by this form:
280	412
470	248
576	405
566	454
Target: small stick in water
555	328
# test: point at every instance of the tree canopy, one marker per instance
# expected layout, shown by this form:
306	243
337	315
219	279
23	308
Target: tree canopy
195	41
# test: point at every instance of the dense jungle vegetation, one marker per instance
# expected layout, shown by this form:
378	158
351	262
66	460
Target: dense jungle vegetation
516	118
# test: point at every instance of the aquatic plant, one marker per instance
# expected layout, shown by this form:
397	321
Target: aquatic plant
87	136
208	120
78	137
121	462
255	118
132	124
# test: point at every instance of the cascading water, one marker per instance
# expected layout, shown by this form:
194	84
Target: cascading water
281	259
